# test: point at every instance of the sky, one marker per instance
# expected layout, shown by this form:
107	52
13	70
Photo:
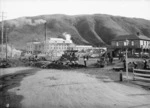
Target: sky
127	8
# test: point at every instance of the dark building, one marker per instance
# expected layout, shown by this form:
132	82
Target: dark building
135	43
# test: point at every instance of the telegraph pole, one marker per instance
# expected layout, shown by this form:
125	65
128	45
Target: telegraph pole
45	32
127	73
11	51
2	28
45	37
6	37
2	34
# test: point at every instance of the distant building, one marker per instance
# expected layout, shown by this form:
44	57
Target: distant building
54	46
82	47
136	43
11	51
34	47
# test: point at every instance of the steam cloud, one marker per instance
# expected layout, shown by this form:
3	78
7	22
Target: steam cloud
34	22
24	21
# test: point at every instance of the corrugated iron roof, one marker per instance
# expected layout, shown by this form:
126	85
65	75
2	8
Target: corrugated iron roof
131	37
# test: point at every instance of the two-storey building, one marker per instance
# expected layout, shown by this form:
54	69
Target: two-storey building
34	47
56	46
135	43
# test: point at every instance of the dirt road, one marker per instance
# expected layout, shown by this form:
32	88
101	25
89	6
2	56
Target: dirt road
5	71
71	89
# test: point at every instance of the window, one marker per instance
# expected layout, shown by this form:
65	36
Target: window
125	43
144	42
141	42
132	43
117	44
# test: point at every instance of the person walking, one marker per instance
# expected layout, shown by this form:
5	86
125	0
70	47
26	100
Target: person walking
87	57
85	60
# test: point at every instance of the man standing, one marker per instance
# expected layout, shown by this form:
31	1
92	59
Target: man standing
85	59
135	65
124	64
145	64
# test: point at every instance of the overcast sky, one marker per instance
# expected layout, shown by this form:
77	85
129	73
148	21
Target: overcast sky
127	8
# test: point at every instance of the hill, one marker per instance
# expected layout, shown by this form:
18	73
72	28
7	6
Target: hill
97	29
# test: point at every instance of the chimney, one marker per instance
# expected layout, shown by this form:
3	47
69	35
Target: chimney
138	33
45	32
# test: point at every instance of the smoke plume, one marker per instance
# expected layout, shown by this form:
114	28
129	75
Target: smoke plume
26	21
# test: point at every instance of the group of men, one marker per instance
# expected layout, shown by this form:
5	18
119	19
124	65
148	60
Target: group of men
145	64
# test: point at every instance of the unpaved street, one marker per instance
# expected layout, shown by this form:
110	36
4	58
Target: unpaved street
71	89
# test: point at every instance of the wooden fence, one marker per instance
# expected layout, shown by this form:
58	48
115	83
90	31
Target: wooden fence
140	74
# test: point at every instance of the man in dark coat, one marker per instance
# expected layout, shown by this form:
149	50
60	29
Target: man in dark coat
124	64
145	64
135	65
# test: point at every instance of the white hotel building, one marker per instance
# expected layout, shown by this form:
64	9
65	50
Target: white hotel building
54	46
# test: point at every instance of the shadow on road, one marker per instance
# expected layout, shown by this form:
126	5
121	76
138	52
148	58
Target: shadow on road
10	81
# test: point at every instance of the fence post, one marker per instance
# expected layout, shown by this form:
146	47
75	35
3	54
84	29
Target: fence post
120	75
133	75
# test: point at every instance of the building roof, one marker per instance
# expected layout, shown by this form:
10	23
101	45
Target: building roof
131	37
144	37
34	43
58	40
85	46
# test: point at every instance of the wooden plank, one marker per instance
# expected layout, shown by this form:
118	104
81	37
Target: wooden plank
141	70
137	74
141	78
118	68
